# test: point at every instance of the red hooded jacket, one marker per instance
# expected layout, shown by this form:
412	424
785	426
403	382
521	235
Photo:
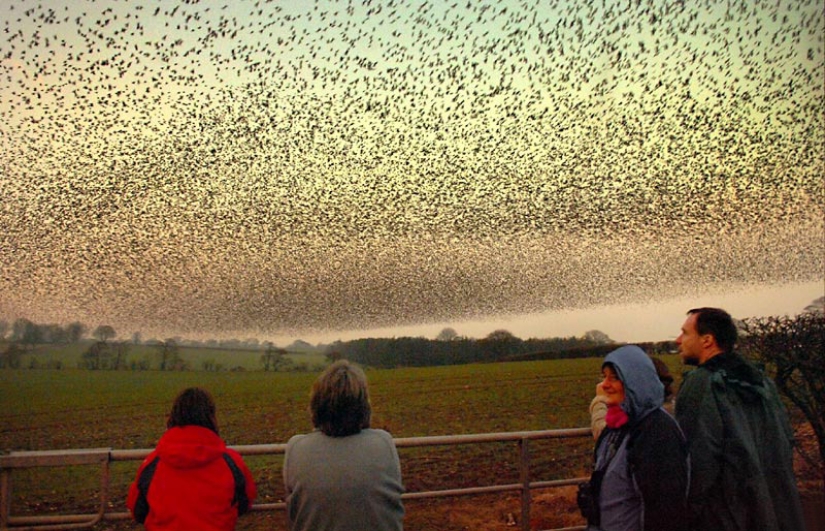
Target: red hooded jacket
192	487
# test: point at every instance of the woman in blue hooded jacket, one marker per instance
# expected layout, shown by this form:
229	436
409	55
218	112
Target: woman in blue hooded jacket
641	470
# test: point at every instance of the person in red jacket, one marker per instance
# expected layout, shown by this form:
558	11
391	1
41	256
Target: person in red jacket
191	480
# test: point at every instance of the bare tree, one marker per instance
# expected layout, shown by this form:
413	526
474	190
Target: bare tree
275	358
75	331
96	356
10	358
104	333
53	333
817	306
793	351
499	344
598	337
26	332
169	355
447	334
120	351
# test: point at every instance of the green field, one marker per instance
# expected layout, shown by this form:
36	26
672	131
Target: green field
69	355
51	409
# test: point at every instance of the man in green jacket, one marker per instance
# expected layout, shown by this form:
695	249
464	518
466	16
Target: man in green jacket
738	433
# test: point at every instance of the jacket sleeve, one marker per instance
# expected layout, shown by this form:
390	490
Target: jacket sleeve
702	424
132	497
598	412
251	488
659	461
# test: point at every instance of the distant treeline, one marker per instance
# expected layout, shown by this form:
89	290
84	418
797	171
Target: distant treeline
498	346
28	333
448	348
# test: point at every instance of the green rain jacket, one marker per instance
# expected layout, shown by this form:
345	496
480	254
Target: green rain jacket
741	449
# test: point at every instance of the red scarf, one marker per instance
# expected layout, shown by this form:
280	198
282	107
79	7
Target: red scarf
616	417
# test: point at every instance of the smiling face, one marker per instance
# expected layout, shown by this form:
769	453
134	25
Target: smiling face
613	387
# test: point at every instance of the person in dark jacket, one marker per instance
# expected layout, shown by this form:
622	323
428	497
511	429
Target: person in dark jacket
191	480
739	436
640	477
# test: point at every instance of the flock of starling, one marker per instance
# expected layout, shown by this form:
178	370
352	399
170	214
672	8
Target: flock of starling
272	168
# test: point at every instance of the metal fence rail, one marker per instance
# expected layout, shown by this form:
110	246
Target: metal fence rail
104	456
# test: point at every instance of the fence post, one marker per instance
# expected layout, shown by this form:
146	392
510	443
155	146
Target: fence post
526	498
5	498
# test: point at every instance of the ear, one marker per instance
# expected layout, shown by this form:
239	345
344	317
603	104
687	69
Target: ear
708	341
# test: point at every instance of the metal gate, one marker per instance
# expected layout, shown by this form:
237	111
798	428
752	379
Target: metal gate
102	457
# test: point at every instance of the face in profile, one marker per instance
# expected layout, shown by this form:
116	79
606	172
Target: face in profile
613	387
689	341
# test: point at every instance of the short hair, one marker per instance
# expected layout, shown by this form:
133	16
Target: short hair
719	324
193	407
340	401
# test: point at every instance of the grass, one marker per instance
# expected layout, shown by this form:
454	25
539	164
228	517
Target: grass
69	355
46	409
51	409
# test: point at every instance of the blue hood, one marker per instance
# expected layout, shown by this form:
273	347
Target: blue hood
644	391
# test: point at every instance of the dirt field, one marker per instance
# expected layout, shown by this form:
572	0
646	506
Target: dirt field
78	409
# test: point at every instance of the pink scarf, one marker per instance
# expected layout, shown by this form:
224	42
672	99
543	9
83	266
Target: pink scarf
616	417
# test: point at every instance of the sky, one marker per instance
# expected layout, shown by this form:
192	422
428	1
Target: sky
325	170
624	323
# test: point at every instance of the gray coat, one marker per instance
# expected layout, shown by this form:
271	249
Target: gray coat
348	483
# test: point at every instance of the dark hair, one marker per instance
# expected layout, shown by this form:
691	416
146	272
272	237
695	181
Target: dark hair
664	376
340	401
193	407
719	324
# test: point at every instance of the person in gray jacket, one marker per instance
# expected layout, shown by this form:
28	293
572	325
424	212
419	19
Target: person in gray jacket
641	469
344	476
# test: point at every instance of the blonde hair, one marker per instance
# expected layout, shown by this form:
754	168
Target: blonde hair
340	401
